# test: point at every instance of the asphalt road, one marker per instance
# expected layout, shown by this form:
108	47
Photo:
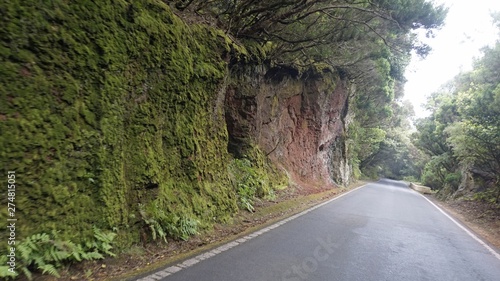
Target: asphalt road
382	231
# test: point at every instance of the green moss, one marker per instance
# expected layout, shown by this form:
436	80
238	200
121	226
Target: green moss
255	176
108	105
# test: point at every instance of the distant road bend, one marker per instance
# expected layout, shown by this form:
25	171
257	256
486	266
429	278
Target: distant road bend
382	231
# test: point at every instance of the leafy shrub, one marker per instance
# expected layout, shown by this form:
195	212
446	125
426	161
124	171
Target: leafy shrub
246	181
487	196
4	269
411	179
453	179
246	195
153	224
163	224
186	228
47	252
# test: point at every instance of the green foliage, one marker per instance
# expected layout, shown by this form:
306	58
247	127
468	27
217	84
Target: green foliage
415	13
463	133
253	177
155	227
489	196
431	138
336	32
385	150
435	172
4	269
368	141
247	182
106	105
103	242
187	227
163	224
110	105
48	252
411	179
431	177
453	179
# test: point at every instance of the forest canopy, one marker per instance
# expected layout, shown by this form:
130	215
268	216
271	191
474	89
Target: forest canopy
462	135
370	42
338	32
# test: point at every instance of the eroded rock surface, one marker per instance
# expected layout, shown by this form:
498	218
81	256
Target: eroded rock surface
298	120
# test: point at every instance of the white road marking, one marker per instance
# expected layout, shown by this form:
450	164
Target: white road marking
192	261
491	250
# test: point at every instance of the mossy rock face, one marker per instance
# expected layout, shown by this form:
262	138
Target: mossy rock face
107	105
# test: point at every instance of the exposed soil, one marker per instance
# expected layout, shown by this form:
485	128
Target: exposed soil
144	258
481	217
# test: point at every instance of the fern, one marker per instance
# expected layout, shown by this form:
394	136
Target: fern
104	241
27	273
188	227
247	181
163	224
40	251
154	225
92	256
46	252
157	230
4	270
50	269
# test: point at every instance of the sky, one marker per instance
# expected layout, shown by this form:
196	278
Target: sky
468	28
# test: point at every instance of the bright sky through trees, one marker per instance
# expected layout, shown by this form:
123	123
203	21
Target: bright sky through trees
469	27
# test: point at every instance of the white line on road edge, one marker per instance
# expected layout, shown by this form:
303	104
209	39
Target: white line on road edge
491	250
192	261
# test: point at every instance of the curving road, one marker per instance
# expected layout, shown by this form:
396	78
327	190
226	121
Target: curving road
382	231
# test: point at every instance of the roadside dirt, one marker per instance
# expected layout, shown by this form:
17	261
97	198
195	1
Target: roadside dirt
481	217
144	258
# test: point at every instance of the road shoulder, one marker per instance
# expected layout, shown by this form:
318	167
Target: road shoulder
140	260
483	221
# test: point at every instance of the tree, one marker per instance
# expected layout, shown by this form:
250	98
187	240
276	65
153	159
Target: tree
368	41
395	155
431	138
475	138
312	30
463	133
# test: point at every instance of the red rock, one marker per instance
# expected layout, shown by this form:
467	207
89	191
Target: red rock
299	122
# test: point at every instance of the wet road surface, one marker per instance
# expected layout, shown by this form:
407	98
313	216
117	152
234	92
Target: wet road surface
382	231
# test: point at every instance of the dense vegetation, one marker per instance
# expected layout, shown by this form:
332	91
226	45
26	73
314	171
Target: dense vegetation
111	111
110	120
462	135
368	41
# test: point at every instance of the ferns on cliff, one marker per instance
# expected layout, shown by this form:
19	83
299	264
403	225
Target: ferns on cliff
163	224
48	252
106	103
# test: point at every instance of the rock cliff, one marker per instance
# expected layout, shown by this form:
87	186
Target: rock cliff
119	115
299	120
